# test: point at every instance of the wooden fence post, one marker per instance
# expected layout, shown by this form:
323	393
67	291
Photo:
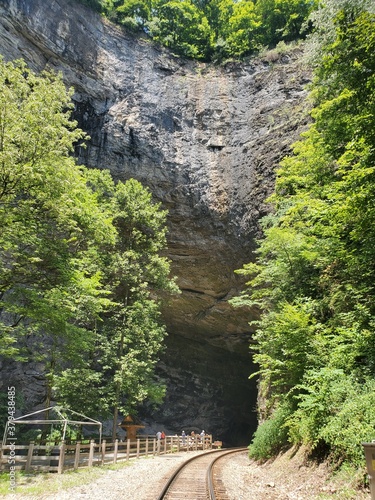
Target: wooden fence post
91	454
76	455
128	449
103	450
154	447
29	456
146	451
60	468
115	449
138	447
158	447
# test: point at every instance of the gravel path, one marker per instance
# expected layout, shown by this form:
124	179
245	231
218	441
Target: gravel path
142	479
286	478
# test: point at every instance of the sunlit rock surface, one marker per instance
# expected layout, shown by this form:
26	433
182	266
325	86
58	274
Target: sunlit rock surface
206	141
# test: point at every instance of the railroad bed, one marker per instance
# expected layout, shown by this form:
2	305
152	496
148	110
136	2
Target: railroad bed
199	478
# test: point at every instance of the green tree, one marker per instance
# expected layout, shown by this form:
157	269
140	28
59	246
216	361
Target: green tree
135	271
80	259
313	279
181	26
212	29
133	14
50	284
241	32
283	19
130	336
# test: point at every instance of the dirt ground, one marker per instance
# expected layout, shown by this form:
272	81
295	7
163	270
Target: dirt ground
291	477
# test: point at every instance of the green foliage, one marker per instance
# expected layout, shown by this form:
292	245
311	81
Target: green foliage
313	279
130	337
241	32
50	220
80	263
323	19
82	389
271	435
285	343
337	410
182	27
283	19
132	14
212	29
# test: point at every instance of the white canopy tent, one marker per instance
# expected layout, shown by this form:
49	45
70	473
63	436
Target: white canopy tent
61	420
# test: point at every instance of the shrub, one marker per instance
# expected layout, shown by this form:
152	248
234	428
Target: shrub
337	412
271	435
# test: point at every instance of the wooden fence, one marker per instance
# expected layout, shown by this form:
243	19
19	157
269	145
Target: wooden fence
63	457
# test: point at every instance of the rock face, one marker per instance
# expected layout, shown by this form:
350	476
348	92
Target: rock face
206	141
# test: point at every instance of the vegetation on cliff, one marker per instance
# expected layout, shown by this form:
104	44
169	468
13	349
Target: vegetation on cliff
314	275
80	260
212	29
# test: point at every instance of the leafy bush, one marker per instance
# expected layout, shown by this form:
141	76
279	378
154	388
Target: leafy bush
338	412
271	435
352	425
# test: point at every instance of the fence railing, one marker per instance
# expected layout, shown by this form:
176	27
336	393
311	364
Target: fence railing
63	457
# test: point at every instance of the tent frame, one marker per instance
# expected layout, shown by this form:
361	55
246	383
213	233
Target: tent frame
62	420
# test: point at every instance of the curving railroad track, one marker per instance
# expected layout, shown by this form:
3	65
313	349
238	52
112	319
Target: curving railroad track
198	478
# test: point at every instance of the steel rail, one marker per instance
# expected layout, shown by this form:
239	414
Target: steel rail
210	480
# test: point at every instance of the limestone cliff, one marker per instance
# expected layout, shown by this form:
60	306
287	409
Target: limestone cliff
206	141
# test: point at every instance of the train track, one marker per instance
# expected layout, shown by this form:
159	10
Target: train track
198	478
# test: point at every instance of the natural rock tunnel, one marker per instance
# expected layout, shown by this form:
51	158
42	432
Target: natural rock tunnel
205	140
